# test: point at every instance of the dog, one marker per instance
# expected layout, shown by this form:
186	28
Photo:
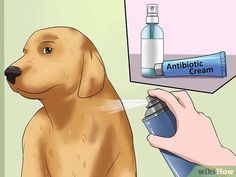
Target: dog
69	136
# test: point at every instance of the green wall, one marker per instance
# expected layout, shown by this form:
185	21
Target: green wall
103	22
1	88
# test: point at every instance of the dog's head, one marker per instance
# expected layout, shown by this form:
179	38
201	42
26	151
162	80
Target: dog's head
57	61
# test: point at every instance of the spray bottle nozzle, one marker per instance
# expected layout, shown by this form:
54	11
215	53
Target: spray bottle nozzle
152	9
152	13
152	101
155	105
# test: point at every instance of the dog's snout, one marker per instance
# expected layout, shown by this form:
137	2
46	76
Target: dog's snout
11	73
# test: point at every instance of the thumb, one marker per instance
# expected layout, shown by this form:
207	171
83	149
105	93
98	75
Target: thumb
160	142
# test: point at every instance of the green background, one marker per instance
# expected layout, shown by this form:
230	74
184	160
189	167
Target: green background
104	23
1	89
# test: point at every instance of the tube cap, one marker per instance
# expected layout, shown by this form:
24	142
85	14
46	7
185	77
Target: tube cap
158	69
152	13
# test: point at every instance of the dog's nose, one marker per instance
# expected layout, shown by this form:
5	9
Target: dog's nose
12	72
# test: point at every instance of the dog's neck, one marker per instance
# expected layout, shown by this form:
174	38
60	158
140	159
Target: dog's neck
62	111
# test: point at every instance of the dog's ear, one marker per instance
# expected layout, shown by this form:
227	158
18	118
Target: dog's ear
92	74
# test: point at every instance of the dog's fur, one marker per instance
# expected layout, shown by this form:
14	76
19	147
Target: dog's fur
69	136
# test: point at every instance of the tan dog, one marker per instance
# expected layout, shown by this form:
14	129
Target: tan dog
69	136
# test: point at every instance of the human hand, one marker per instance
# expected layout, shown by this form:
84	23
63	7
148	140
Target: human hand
196	139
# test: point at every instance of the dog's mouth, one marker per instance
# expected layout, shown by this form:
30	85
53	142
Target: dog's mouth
37	93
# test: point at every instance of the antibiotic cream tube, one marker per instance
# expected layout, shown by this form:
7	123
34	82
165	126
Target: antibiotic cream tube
213	65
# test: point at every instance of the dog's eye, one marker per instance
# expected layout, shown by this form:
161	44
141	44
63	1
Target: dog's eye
47	50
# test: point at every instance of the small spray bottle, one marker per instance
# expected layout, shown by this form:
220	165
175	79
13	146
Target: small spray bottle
160	121
152	42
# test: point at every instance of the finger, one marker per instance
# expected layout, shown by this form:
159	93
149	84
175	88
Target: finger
168	98
203	115
160	142
184	99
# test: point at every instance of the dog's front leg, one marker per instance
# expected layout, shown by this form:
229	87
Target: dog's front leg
34	162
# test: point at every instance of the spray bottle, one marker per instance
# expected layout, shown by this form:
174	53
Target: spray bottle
152	42
160	121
